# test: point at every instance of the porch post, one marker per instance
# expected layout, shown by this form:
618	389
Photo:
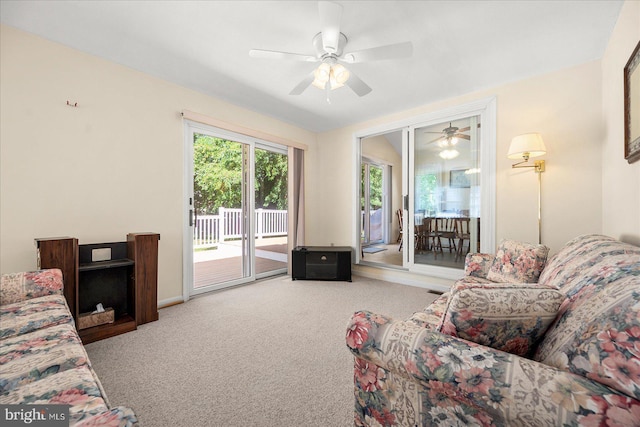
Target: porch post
222	223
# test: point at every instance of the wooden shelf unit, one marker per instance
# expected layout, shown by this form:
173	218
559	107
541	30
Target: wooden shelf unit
127	280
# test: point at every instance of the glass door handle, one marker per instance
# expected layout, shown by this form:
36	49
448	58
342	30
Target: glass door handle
195	214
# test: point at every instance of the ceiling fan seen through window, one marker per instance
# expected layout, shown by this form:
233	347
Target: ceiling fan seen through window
448	139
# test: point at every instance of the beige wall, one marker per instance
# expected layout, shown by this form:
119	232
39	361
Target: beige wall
564	106
114	164
111	166
620	180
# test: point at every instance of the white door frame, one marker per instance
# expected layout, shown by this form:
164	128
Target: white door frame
187	269
254	143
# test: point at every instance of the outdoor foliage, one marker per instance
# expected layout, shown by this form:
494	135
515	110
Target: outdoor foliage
271	180
218	176
426	188
375	187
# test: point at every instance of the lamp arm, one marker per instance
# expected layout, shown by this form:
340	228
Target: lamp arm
539	165
515	165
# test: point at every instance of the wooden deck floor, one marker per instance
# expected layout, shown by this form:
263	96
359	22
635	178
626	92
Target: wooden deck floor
226	269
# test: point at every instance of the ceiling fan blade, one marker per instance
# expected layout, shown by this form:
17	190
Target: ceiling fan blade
467	128
392	51
305	83
330	16
273	54
463	136
357	85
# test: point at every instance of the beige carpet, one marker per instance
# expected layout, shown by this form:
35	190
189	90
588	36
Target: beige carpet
267	354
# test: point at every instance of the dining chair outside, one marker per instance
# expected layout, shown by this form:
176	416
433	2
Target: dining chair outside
445	231
462	233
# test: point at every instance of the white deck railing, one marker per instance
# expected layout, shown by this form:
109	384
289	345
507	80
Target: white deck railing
210	229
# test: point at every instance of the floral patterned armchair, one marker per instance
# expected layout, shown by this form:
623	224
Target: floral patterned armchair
558	346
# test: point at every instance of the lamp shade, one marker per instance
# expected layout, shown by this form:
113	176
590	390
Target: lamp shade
527	145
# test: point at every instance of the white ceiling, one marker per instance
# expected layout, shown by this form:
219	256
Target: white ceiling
459	46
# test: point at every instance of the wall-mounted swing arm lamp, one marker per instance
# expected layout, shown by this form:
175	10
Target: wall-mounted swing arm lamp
525	147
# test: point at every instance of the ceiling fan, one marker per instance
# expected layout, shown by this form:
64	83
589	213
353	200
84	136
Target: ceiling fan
450	136
329	44
448	139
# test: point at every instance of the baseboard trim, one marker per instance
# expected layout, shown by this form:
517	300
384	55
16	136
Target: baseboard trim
169	302
404	278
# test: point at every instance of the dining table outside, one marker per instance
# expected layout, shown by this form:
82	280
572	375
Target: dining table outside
453	231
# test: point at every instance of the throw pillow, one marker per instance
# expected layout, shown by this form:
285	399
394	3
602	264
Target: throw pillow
506	316
518	262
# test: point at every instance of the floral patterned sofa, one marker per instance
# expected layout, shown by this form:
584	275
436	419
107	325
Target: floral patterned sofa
557	346
42	360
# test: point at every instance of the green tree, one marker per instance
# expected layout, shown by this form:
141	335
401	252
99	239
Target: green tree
375	186
271	180
426	187
218	176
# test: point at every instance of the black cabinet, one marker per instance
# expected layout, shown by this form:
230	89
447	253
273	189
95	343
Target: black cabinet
321	263
106	281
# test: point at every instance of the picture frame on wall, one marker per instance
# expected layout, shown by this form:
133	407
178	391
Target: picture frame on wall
459	179
632	107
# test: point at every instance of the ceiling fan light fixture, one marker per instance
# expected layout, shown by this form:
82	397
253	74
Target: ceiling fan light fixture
340	73
338	76
448	141
334	74
322	75
449	154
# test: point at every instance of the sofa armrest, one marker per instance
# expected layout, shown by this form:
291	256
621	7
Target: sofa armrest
464	379
432	316
478	264
16	287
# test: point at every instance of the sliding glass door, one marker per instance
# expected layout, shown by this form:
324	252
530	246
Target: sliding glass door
271	210
220	211
237	209
441	195
446	192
